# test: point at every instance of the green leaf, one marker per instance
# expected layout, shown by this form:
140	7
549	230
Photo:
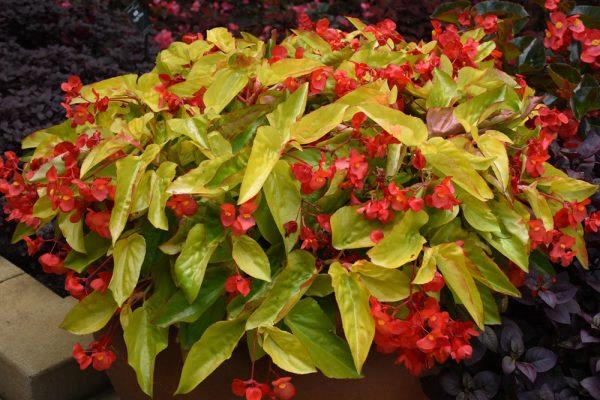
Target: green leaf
287	352
403	244
315	331
270	141
191	264
128	254
251	258
196	180
282	194
511	247
288	287
443	91
270	74
477	213
190	333
158	199
492	275
72	231
226	85
450	260
178	309
102	151
127	174
426	271
383	283
96	247
91	314
318	123
586	96
449	160
539	205
490	308
144	341
43	208
556	182
222	38
409	130
351	230
320	287
479	108
448	11
491	145
353	302
214	347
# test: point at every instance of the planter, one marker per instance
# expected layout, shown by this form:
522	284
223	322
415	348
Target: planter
383	380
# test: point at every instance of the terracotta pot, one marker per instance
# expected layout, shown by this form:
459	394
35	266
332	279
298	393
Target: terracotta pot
383	380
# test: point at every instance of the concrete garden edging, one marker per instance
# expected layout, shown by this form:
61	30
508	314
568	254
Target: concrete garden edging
35	354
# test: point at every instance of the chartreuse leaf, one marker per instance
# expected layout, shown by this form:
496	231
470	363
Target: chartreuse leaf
286	351
477	213
426	271
251	258
511	247
96	247
350	230
127	174
539	205
316	332
102	151
72	231
384	283
190	266
512	221
215	346
143	192
144	341
475	110
282	193
158	199
288	287
90	314
196	180
353	302
492	144
409	130
556	182
270	74
222	38
226	85
492	275
403	244
128	255
318	123
450	260
270	141
449	160
490	308
321	286
443	91
178	309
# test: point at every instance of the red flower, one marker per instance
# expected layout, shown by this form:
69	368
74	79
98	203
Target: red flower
100	283
191	37
443	196
592	223
324	222
309	239
182	204
555	34
436	284
163	39
377	209
237	284
98	222
418	160
571	214
71	87
251	389
516	275
385	30
376	236
80	115
283	388
290	227
97	354
52	264
318	80
79	354
591	47
551	5
538	234
537	153
101	189
33	245
278	53
74	286
489	23
343	83
245	220
562	250
228	214
311	181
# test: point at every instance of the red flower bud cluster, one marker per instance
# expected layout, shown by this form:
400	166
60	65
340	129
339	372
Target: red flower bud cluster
97	354
79	286
425	336
182	205
237	284
280	389
310	180
241	222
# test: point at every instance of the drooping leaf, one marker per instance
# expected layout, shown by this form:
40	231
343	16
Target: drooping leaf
402	244
128	255
96	247
214	347
72	231
287	352
288	286
426	271
409	130
353	302
477	213
315	331
383	283
91	314
350	230
491	145
251	258
158	199
127	175
318	123
443	91
226	85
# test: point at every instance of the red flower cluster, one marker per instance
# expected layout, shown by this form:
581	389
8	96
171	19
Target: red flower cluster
443	196
281	389
97	354
558	245
19	196
334	37
425	336
383	31
310	180
536	153
238	223
592	223
554	122
318	80
561	30
52	264
237	284
357	167
182	205
461	54
80	286
489	23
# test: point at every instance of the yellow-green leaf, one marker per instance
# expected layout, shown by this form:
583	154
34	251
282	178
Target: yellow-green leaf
250	257
158	199
91	314
128	255
127	175
409	130
384	283
287	352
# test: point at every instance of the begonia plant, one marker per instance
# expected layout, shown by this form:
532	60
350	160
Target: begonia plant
256	192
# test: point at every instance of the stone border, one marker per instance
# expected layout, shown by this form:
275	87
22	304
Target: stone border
35	355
